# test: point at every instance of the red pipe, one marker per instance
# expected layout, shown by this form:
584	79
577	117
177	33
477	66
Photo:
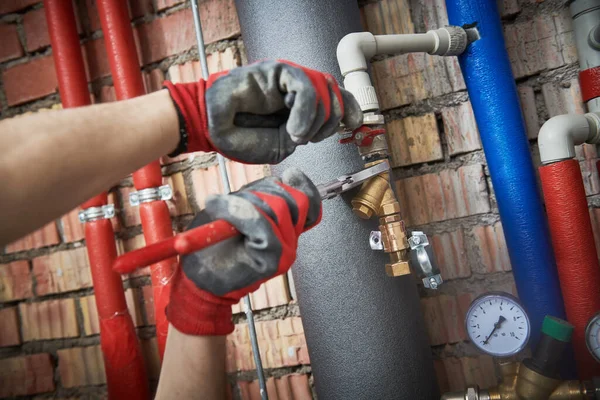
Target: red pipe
123	361
127	78
576	257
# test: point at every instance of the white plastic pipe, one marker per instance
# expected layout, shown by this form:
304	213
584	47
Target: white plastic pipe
356	49
560	134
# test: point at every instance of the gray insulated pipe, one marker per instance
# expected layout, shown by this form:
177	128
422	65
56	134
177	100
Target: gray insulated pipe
364	330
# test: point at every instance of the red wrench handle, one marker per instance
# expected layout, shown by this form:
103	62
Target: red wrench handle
187	242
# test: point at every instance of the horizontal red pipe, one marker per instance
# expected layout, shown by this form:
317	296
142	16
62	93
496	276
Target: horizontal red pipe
123	361
576	257
128	81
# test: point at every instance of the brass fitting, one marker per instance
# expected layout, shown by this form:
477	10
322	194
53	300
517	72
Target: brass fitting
368	200
394	238
522	383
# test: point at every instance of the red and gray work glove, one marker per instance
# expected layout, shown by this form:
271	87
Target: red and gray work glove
259	113
270	214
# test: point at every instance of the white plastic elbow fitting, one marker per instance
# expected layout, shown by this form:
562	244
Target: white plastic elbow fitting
356	49
560	134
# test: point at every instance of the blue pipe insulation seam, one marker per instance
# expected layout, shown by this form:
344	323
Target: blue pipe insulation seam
493	93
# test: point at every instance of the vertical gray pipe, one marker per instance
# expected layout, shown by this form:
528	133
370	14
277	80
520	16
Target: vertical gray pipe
364	330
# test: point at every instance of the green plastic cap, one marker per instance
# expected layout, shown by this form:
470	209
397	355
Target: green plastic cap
557	328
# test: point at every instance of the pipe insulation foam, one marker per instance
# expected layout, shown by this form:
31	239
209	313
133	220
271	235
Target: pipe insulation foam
575	250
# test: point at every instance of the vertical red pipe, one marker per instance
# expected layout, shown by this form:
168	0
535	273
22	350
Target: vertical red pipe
127	78
123	361
576	257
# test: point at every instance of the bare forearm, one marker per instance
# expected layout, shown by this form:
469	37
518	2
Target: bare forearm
52	162
193	367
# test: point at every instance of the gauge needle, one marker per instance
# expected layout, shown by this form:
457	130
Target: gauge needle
496	326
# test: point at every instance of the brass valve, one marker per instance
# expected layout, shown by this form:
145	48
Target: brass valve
369	199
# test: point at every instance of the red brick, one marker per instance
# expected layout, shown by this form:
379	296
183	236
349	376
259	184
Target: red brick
178	205
454	371
46	236
530	115
63	271
81	366
139	8
9	6
441	375
73	230
287	387
96	59
508	7
20	88
192	72
281	342
479	371
206	182
453	319
388	17
131	215
434	321
26	375
11	45
491	246
564	98
9	328
276	293
414	140
533	47
460	129
400	80
449	250
153	80
36	30
15	281
51	319
174	34
162	4
445	195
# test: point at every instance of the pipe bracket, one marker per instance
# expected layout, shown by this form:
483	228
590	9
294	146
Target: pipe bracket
95	213
422	260
151	194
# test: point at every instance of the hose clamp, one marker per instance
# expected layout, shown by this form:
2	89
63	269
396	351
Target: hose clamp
95	213
151	194
423	261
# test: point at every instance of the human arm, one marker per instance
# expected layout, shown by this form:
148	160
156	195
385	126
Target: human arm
51	162
271	215
193	367
259	114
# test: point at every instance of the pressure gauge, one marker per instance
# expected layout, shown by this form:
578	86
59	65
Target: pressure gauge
497	324
592	336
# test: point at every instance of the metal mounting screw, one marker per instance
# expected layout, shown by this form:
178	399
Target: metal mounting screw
375	240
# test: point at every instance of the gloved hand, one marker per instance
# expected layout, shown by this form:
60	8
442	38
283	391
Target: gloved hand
259	113
270	214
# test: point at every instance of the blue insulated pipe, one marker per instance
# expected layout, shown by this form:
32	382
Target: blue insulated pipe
493	93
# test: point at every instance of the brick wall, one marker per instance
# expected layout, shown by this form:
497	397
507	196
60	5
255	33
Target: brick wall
49	343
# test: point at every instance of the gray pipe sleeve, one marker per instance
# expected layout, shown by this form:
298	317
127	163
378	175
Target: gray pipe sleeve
365	331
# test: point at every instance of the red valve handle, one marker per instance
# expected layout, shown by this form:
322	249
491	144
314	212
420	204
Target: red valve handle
187	242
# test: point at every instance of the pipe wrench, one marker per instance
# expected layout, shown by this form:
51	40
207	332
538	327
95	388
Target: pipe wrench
206	235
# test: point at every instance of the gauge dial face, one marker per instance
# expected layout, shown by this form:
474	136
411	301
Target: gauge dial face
592	336
497	324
